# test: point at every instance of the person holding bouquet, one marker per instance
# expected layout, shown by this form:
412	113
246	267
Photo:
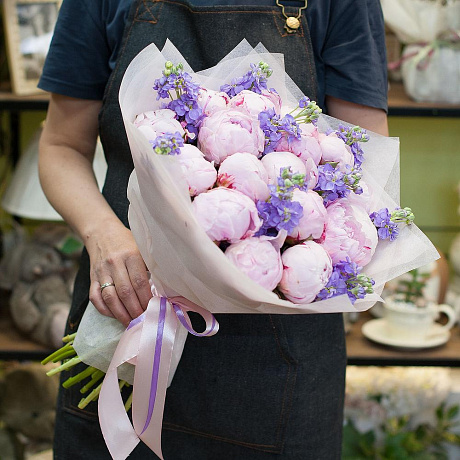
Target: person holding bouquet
266	386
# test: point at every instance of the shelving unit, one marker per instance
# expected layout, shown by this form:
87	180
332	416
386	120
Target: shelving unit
360	350
363	352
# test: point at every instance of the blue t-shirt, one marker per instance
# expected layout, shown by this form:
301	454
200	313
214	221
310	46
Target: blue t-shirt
347	37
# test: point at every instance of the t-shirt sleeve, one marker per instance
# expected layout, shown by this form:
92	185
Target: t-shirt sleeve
354	53
77	63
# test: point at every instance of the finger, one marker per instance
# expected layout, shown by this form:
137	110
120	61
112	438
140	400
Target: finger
125	291
111	300
96	299
139	277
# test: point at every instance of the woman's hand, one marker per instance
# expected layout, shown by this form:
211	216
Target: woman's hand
65	163
117	264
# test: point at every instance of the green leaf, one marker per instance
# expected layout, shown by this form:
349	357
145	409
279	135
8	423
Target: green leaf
452	412
394	448
354	441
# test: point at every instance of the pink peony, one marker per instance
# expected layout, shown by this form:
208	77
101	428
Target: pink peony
212	101
227	132
335	150
274	97
188	151
226	215
199	173
157	122
314	216
148	118
275	161
258	259
312	174
349	232
363	199
305	147
245	173
251	103
307	269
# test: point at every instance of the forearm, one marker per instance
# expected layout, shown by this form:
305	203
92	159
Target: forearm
69	183
368	118
67	149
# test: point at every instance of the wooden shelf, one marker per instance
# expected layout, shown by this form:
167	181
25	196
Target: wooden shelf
362	351
399	104
9	101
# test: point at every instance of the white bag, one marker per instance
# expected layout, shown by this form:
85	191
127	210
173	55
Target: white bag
431	58
432	74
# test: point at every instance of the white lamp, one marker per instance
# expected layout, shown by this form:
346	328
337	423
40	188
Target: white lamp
24	196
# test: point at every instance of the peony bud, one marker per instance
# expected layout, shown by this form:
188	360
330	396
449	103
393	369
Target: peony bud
226	215
307	269
258	259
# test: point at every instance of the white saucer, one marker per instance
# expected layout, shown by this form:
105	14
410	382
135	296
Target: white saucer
375	330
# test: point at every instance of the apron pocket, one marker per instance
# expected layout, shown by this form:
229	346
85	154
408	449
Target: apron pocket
70	397
237	386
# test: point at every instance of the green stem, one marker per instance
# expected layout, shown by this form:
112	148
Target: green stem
79	377
129	402
65	355
67	365
57	353
91	397
97	375
69	337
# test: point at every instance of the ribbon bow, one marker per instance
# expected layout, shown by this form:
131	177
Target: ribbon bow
148	344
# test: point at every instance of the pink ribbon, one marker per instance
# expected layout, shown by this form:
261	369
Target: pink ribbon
148	344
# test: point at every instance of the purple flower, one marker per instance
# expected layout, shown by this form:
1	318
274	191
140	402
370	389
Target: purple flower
387	223
386	228
347	279
352	136
307	111
168	144
280	211
275	128
331	185
254	80
334	184
176	82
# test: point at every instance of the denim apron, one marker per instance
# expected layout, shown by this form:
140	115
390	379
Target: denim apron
266	386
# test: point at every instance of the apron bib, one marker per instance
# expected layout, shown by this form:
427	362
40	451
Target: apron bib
266	386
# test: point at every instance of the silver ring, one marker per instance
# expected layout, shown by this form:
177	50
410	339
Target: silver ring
103	286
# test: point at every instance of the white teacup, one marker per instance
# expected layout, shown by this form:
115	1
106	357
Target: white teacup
408	322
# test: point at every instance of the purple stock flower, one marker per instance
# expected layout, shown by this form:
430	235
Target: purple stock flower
334	184
307	111
176	82
275	127
331	185
254	80
347	279
352	136
386	228
168	144
279	211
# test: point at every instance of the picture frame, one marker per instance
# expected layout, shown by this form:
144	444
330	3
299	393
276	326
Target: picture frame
29	26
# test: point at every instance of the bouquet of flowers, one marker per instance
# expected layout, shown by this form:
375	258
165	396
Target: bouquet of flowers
244	199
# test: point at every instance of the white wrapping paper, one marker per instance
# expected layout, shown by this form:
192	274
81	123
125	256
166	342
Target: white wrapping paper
181	258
